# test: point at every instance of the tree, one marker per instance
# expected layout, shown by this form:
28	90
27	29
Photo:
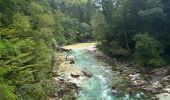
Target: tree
147	51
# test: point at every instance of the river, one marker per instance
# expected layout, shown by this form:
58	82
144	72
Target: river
98	87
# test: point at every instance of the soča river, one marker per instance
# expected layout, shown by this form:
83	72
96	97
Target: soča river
98	87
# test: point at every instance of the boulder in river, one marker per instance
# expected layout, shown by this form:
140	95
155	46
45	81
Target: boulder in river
87	74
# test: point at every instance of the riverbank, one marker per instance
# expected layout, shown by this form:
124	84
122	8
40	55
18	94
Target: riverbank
66	77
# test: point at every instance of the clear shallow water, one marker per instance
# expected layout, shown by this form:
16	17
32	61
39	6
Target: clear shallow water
98	87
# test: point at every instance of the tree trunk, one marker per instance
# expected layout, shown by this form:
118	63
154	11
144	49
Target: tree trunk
125	33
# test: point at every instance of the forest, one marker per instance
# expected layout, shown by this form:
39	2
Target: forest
30	31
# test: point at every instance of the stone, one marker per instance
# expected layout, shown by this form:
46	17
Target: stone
70	59
166	78
87	74
156	85
167	89
163	96
135	77
138	95
71	62
62	78
75	75
62	49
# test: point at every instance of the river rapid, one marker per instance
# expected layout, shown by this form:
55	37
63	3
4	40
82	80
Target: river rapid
98	87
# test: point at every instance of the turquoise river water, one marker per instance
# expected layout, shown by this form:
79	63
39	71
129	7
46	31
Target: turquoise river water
98	87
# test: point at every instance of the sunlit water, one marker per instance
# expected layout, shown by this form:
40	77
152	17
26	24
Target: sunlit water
98	87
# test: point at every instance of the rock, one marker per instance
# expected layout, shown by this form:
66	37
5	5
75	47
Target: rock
166	78
157	85
71	59
138	82
154	88
167	89
87	74
135	77
114	92
71	62
66	89
62	49
127	96
75	75
138	95
72	85
164	96
62	77
91	49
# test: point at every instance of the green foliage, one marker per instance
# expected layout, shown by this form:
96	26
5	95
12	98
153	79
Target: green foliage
100	28
31	92
6	92
6	33
7	48
45	20
25	50
148	51
121	20
35	9
21	23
